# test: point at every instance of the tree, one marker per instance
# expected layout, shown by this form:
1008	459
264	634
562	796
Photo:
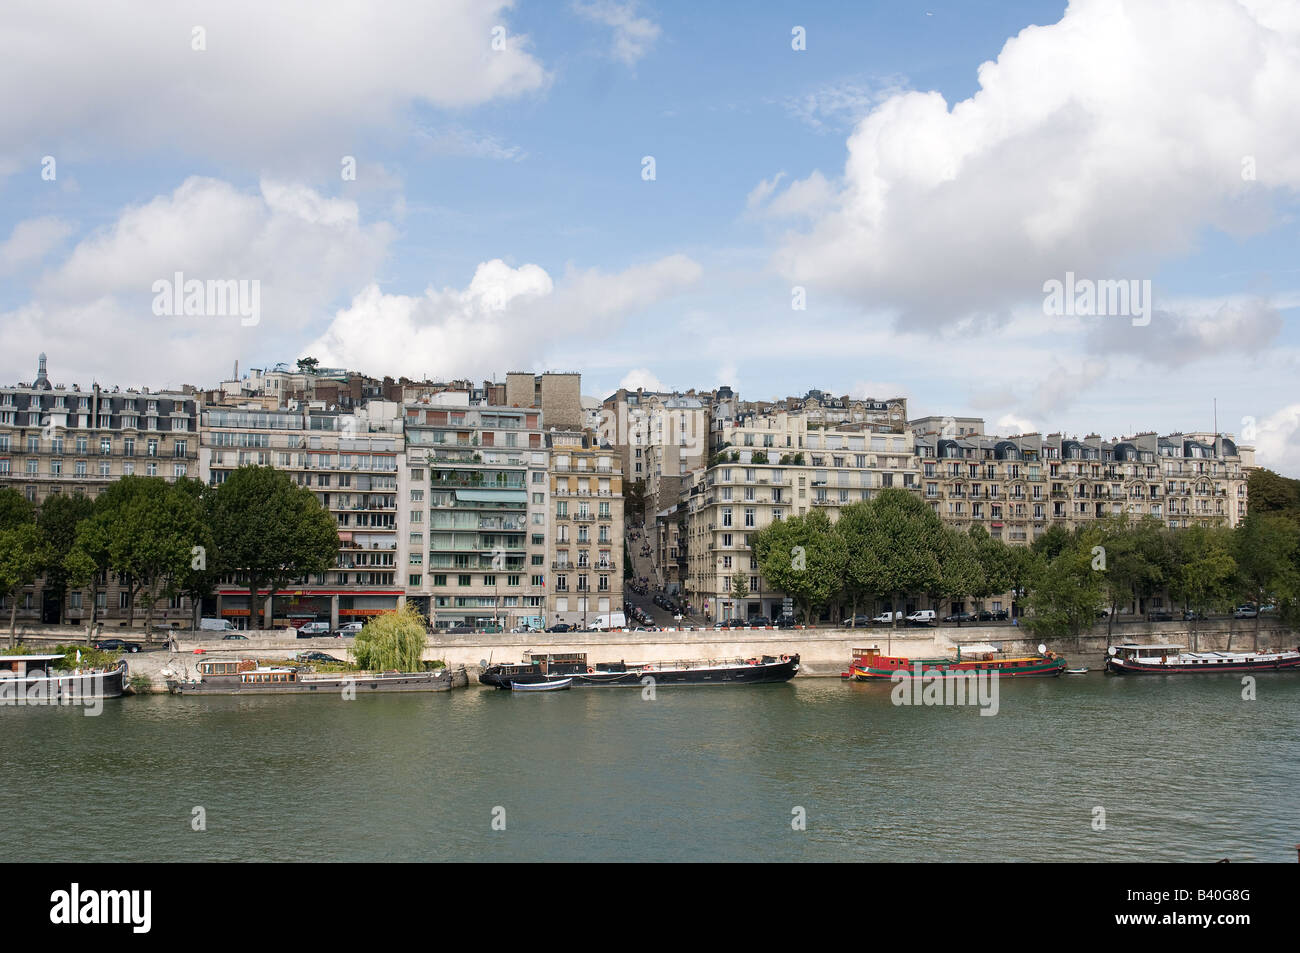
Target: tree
996	565
308	365
1265	549
59	517
902	547
270	531
392	641
739	586
802	557
853	527
1205	570
960	573
1270	493
1066	592
23	552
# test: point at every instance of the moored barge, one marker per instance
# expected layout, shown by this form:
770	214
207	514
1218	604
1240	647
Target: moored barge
1133	659
247	676
33	679
869	665
543	667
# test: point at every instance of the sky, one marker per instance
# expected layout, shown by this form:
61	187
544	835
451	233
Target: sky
867	198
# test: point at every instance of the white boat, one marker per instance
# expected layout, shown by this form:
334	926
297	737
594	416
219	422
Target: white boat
559	685
1076	671
1133	659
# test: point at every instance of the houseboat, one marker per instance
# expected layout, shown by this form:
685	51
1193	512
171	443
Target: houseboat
547	667
1133	659
869	665
29	679
247	676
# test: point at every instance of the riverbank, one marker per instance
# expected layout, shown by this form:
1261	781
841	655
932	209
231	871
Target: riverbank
822	652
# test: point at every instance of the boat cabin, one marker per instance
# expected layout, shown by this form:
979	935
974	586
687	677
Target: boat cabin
247	670
27	666
1146	653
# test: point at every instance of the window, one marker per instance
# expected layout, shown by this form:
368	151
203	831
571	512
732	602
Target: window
440	579
463	580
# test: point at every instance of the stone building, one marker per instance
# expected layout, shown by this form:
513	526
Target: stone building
55	439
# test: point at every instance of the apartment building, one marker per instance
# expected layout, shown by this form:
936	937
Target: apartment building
351	461
777	466
1016	487
475	512
55	439
585	545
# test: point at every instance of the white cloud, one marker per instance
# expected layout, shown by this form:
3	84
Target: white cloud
30	241
641	377
1011	424
505	318
1099	145
633	35
275	80
94	308
1277	441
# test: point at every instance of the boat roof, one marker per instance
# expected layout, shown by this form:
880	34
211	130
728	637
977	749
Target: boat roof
28	658
1153	645
978	647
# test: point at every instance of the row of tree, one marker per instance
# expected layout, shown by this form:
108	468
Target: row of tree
165	539
894	547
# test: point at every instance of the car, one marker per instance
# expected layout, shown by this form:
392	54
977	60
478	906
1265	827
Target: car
316	657
922	617
352	628
960	617
116	645
761	621
993	615
786	622
311	630
228	638
562	627
885	618
1247	611
459	629
1193	615
856	621
1160	615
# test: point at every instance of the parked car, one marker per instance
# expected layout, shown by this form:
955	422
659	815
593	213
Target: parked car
922	617
562	627
116	645
316	657
885	618
352	628
313	630
236	635
856	621
459	629
1247	611
1192	615
786	622
759	620
215	625
993	615
960	617
1160	615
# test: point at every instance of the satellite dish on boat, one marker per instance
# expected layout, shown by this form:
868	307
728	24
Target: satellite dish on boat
482	663
1042	649
1112	650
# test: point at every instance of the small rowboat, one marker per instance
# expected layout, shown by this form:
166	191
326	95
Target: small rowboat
558	685
1076	671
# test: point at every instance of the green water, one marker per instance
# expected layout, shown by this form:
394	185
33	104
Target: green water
1184	768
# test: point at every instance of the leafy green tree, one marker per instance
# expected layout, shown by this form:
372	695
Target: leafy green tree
1204	571
960	573
802	557
308	365
392	641
270	531
1066	593
739	586
59	517
1272	494
996	565
1265	548
24	553
903	547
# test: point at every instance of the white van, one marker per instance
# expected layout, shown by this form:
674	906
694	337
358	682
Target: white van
615	620
215	625
922	617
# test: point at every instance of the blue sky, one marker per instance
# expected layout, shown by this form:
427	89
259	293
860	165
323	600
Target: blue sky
919	170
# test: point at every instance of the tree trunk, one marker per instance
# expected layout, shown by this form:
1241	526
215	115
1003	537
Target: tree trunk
13	619
148	614
253	611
